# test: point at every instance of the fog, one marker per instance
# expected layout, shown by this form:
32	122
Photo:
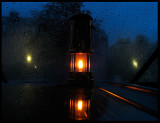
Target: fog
124	32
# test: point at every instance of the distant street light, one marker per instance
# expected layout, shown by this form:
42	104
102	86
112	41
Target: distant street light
29	58
135	63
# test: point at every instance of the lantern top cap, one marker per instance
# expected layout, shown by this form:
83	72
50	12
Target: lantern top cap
79	16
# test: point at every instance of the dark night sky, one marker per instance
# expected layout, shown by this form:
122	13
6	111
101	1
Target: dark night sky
120	19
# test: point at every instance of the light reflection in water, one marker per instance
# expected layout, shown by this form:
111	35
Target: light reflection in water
79	109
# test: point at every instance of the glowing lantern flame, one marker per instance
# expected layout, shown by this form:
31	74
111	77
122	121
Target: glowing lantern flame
80	64
80	105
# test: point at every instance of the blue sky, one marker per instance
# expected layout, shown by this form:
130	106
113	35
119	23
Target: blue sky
120	19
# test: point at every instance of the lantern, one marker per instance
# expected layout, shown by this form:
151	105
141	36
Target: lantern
80	51
80	62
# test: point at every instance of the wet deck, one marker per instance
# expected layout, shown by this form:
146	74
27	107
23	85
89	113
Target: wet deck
49	102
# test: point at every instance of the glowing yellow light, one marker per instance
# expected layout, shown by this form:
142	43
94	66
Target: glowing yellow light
135	64
80	104
29	58
80	64
35	67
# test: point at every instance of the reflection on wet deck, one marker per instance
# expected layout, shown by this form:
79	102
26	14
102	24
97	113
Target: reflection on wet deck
37	102
80	99
79	109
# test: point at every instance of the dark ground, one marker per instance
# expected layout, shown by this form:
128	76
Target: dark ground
33	103
36	102
49	102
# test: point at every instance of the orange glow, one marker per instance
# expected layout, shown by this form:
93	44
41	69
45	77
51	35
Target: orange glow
80	64
134	104
89	64
79	109
139	89
80	104
128	101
